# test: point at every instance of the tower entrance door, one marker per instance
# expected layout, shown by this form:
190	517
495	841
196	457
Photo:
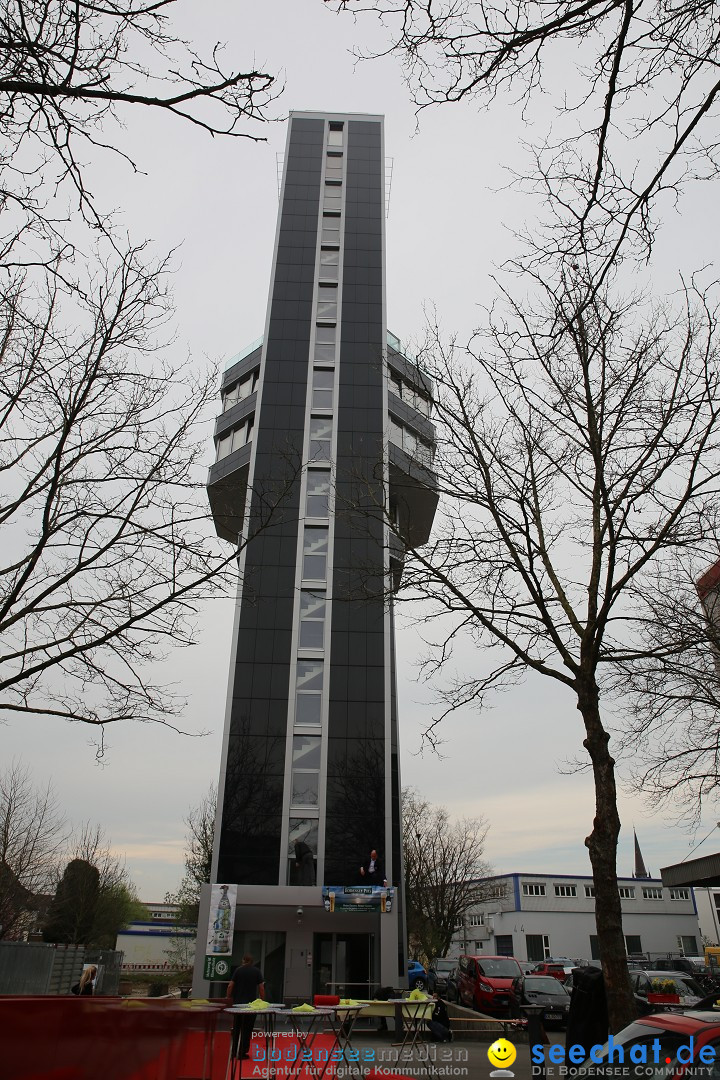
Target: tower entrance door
344	964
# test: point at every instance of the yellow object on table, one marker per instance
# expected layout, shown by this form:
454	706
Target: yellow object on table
304	1008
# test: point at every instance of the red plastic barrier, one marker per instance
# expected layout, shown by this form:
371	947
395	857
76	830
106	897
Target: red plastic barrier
87	1038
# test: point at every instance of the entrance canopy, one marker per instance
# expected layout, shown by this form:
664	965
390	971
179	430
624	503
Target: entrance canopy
702	873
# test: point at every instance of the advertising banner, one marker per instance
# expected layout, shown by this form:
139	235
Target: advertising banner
221	927
358	898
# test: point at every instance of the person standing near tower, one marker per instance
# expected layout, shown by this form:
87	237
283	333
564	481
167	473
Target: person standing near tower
246	984
372	871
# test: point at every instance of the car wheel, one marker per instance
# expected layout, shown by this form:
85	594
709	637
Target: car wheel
419	983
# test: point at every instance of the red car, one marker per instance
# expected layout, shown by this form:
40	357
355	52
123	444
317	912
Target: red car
668	1045
484	983
560	972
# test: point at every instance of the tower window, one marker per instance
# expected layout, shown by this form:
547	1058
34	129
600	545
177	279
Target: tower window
308	692
312	620
317	497
322	388
320	438
327	302
315	552
331	224
329	264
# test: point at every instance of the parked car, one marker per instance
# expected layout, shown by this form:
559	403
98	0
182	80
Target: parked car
648	982
451	993
663	1036
559	969
546	991
437	976
417	975
484	983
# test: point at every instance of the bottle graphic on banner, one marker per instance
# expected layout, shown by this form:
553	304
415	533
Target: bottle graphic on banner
221	926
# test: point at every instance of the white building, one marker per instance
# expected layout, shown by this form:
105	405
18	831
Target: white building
157	943
534	916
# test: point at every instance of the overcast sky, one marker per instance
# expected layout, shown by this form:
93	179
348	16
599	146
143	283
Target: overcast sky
450	224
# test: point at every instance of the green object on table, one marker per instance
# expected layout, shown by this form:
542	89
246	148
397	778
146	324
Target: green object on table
258	1004
417	995
303	1008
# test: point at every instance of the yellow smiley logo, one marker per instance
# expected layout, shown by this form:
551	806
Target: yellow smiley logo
502	1053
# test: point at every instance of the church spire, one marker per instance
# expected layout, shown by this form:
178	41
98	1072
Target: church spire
640	871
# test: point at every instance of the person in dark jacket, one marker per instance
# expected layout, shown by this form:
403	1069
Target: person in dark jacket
246	984
439	1022
372	871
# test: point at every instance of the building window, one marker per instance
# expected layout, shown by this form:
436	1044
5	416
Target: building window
317	497
331	225
322	388
458	924
315	552
504	944
334	166
320	438
234	439
475	920
590	891
332	196
680	894
240	390
327	303
627	892
302	830
312	620
532	888
652	893
305	770
308	692
633	944
329	264
566	890
538	946
688	944
335	134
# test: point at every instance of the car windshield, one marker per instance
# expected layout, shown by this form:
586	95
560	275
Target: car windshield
444	965
504	968
651	1058
544	984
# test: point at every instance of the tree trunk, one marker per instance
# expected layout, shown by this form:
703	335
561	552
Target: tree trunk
602	847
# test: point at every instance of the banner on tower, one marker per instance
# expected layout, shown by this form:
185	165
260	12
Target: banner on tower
221	927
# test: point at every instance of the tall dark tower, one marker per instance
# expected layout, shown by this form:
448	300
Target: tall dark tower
324	437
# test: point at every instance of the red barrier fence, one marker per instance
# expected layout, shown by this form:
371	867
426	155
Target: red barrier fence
100	1038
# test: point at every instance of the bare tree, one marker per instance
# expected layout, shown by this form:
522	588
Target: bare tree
32	834
672	731
634	110
105	538
199	839
578	460
443	865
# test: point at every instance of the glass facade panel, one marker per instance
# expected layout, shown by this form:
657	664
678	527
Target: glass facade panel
305	831
325	334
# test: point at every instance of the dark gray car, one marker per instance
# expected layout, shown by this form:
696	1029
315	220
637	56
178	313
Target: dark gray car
438	972
546	991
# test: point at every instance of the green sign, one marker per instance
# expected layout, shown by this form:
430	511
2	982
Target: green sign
217	967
